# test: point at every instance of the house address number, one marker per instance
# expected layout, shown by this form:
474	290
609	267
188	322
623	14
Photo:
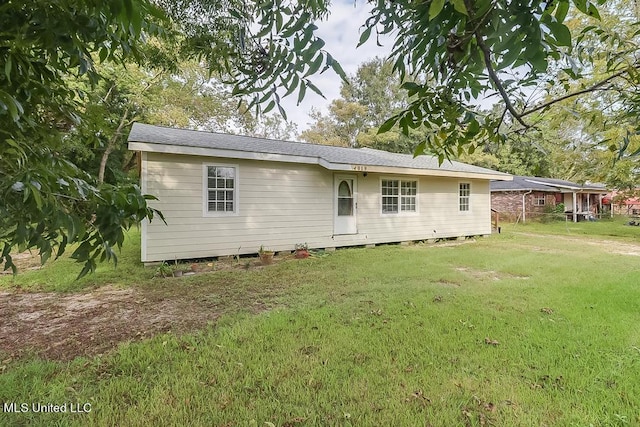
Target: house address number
359	168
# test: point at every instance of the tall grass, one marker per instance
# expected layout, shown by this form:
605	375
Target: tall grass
514	330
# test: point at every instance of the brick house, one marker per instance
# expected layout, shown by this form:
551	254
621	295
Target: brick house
528	197
624	202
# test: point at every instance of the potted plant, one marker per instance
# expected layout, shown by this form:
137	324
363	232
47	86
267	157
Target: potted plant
177	272
266	255
164	270
302	250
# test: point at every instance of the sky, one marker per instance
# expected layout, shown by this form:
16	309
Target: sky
341	32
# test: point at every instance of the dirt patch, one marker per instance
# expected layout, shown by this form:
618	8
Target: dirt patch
489	274
612	246
24	261
63	326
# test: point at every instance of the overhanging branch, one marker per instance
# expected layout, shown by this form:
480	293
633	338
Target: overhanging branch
492	73
591	88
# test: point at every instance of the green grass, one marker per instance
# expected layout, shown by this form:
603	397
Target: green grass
60	275
386	336
615	227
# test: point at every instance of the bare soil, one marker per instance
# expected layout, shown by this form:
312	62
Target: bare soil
59	326
56	326
612	246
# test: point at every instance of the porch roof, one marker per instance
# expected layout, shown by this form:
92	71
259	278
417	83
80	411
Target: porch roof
551	185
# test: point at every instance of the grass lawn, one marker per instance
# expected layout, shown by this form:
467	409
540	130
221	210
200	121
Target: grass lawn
537	326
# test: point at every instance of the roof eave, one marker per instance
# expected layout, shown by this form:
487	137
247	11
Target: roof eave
344	167
216	152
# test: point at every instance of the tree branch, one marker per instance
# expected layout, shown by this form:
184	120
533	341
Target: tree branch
492	73
577	93
111	146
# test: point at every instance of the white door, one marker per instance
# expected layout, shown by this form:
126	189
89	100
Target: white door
345	205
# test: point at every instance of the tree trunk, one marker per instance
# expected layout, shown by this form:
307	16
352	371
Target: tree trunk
111	145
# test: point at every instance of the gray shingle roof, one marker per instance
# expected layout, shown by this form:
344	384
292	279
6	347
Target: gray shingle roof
526	183
520	183
336	155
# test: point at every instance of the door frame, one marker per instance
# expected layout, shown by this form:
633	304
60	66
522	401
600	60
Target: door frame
345	224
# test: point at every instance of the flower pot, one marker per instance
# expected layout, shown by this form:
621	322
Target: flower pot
177	273
302	253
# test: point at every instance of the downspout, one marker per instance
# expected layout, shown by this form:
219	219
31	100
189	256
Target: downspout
524	205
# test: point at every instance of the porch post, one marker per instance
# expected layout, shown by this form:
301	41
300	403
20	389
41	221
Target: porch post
600	196
575	207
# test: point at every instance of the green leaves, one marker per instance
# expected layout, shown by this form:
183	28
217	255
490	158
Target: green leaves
587	7
10	104
459	6
364	36
561	33
47	202
50	203
280	49
435	8
452	129
470	52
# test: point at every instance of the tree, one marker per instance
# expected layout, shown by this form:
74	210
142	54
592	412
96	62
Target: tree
367	100
376	87
182	96
340	127
469	49
448	53
46	201
52	55
265	50
590	137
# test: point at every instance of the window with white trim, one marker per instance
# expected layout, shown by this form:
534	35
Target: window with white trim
464	196
539	200
221	189
399	196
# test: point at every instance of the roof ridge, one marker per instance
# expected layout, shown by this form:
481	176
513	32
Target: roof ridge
189	140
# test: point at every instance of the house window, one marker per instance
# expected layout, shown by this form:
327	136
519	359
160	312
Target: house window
408	191
399	196
465	194
221	189
539	200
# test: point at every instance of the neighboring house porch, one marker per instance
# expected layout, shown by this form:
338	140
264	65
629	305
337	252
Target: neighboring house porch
624	203
527	198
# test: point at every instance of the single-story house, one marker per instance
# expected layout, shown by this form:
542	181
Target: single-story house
624	203
229	195
527	197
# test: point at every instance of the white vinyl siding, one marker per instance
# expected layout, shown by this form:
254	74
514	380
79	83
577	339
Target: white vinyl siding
281	204
398	196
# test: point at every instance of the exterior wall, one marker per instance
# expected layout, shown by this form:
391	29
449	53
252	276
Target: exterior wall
281	204
568	202
509	204
626	209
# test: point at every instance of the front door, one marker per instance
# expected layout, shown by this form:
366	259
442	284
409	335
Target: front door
345	205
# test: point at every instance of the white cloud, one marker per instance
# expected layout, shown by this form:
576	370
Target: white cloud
341	32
